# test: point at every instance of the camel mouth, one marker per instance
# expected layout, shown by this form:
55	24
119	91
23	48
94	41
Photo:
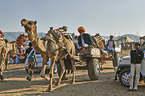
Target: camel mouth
27	30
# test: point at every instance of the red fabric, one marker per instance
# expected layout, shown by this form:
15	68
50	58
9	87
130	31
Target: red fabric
20	39
1	33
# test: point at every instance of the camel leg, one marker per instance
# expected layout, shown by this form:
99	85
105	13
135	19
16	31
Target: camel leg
6	64
62	71
1	76
42	74
51	73
1	68
2	61
69	73
74	69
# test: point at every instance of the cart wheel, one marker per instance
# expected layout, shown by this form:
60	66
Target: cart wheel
116	59
93	69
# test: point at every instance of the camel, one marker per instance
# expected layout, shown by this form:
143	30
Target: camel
5	47
54	46
100	43
98	40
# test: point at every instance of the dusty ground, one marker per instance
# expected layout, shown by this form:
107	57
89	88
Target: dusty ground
16	84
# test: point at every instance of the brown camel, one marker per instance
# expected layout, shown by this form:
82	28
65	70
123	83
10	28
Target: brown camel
100	43
5	47
98	40
54	46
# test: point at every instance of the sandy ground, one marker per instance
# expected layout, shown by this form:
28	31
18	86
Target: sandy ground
16	84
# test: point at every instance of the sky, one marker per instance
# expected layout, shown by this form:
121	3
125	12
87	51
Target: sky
106	17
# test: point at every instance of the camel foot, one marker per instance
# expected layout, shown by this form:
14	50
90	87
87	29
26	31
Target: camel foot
73	82
64	78
49	90
2	77
57	84
28	78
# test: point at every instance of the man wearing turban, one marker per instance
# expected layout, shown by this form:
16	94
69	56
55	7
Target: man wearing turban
84	39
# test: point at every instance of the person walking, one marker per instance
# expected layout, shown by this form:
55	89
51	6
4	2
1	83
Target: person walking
31	57
136	58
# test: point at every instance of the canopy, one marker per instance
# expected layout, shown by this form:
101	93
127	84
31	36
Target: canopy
124	39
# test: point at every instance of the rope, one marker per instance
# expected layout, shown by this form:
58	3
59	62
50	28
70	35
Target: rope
3	46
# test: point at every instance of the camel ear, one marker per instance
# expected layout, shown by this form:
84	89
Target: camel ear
35	22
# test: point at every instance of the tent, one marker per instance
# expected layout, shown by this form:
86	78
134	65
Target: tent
124	40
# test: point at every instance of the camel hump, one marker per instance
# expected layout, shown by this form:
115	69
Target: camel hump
61	34
47	38
97	38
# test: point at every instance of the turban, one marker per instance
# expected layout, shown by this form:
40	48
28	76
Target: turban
81	28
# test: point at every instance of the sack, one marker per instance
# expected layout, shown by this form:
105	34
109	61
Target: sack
92	51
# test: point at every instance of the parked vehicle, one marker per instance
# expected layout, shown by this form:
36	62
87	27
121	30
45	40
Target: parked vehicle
122	71
38	65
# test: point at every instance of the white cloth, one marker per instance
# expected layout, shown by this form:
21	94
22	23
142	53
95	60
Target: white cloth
83	43
110	45
143	66
134	68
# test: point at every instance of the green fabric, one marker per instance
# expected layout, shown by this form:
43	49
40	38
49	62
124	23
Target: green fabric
31	56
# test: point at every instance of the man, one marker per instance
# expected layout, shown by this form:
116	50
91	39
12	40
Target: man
20	43
68	36
110	46
136	59
31	56
84	39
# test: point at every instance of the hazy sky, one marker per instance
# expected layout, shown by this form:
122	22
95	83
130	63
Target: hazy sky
97	16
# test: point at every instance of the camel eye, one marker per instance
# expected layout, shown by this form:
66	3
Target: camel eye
30	23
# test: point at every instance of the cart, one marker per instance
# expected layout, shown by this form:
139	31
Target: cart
88	60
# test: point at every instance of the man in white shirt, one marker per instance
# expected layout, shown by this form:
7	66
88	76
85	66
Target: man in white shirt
110	46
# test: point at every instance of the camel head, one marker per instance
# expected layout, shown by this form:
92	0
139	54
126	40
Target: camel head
29	26
24	37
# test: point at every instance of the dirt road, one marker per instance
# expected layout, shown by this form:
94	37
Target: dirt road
16	84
